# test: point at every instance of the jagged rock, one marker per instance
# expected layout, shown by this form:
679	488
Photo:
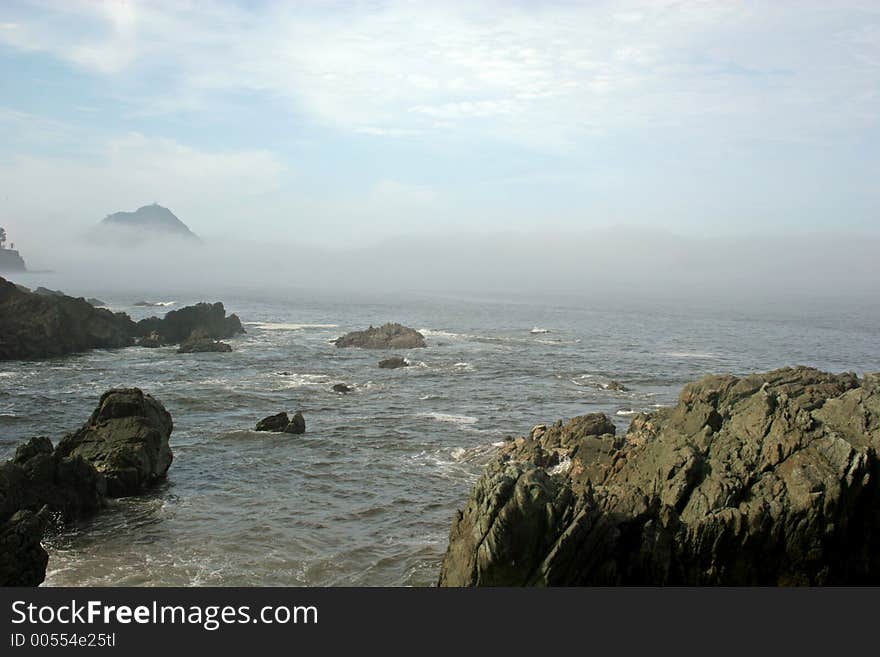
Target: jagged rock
49	325
178	325
393	363
769	479
97	303
199	342
389	336
126	439
38	476
342	388
282	423
23	559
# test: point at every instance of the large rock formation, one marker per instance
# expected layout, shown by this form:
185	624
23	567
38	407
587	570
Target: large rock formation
35	485
126	439
389	336
769	479
122	448
178	325
146	224
44	326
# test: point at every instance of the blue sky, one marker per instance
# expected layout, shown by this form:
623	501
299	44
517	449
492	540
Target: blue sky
349	123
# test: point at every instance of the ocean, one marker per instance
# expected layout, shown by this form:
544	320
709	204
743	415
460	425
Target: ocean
367	496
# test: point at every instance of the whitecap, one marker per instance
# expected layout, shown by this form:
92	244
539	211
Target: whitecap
285	326
627	412
691	354
450	418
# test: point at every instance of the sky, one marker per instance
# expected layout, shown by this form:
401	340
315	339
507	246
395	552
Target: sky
349	124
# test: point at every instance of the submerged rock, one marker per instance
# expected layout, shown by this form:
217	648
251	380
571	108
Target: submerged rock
282	423
393	363
615	386
49	325
126	439
769	479
389	336
199	342
342	388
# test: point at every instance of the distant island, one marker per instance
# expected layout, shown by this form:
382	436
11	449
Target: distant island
10	259
144	224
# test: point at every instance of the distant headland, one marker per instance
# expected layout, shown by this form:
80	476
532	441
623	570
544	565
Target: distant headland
10	259
144	224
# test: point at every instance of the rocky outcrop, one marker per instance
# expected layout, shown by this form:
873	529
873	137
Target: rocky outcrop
768	479
36	485
393	363
50	325
151	341
126	439
97	303
200	342
121	449
23	559
389	336
282	423
177	326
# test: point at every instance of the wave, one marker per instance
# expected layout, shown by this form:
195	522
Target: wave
284	326
626	412
538	331
707	355
461	420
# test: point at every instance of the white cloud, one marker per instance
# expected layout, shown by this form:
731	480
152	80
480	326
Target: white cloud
539	73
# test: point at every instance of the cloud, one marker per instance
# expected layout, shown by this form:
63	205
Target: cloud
542	74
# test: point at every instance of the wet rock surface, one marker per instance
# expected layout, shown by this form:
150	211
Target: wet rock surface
283	423
388	336
126	439
46	325
769	479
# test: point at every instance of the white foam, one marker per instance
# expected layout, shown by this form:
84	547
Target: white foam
563	466
538	331
285	326
691	354
626	412
448	417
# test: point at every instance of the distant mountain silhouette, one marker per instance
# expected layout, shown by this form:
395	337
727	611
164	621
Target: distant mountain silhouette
146	223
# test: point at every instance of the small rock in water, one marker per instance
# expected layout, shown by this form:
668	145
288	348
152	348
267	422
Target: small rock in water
616	386
342	388
282	423
393	363
199	342
389	336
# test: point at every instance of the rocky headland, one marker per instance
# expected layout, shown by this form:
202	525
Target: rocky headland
768	479
388	336
120	451
48	323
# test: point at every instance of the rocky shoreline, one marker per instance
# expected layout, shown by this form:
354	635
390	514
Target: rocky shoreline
768	479
48	324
